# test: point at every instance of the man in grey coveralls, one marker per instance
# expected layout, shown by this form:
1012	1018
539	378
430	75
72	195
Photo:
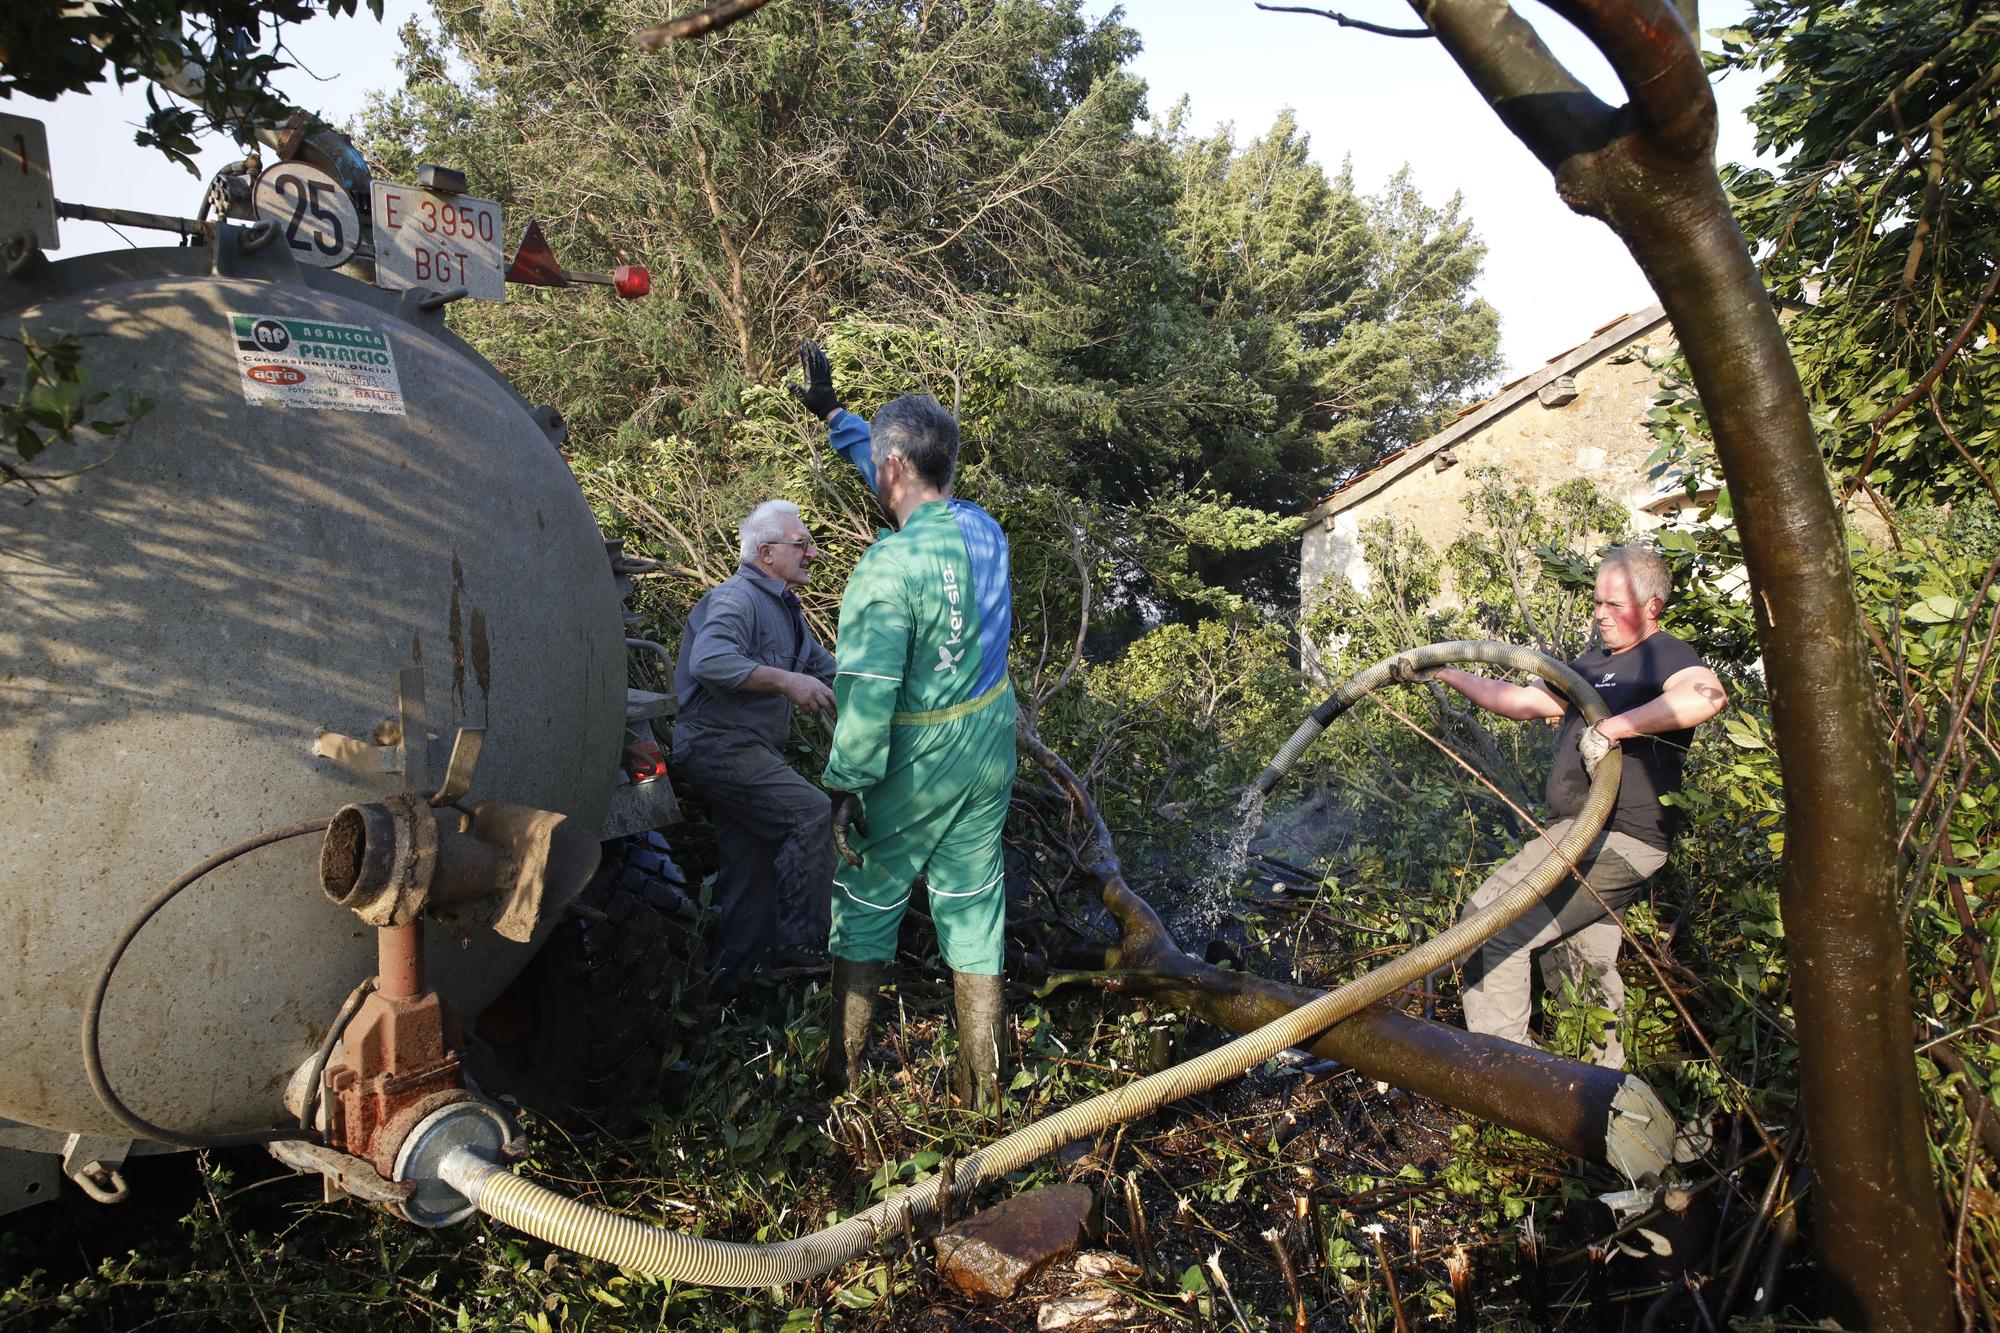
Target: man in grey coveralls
747	660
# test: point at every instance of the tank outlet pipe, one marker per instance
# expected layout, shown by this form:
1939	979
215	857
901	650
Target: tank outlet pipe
659	1252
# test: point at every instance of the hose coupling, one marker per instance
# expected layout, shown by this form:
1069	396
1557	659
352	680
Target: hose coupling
378	859
392	860
475	1130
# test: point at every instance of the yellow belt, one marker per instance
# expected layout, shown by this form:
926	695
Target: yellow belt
930	717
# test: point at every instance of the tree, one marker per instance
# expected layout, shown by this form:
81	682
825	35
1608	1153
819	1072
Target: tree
954	199
1881	225
208	51
1646	170
1357	314
936	169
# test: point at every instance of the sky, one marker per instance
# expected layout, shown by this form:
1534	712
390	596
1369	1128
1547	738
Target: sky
1387	102
1380	102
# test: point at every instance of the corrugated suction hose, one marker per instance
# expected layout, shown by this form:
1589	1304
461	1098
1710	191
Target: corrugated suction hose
645	1248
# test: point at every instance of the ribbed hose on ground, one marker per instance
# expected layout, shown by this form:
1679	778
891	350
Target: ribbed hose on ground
659	1252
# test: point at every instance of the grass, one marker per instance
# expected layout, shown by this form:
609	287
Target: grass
1372	1196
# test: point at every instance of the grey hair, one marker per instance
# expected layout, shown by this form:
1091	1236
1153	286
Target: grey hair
917	428
1644	570
765	523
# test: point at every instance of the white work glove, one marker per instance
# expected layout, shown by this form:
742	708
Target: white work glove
1593	746
1405	672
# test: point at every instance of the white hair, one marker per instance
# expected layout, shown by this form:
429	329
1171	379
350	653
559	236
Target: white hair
766	523
1644	571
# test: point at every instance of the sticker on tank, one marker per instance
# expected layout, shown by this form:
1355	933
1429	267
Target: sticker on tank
314	363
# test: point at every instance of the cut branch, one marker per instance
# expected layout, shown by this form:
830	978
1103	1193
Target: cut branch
1562	1102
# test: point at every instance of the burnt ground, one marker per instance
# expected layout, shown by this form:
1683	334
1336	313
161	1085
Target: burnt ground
1367	1188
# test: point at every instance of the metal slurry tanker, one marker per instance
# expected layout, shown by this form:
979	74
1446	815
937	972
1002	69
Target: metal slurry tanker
339	569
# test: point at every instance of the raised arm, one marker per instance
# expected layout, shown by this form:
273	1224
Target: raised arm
1523	703
850	438
847	433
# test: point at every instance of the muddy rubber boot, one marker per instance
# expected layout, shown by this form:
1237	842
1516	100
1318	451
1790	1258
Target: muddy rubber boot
855	986
982	1028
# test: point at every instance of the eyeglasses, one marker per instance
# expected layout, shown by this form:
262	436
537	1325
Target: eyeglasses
806	545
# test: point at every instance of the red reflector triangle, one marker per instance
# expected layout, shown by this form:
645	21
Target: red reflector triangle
534	263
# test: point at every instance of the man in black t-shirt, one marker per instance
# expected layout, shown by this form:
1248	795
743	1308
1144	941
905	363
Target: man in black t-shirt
1658	692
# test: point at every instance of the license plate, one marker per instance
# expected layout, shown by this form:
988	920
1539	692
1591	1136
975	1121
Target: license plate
439	241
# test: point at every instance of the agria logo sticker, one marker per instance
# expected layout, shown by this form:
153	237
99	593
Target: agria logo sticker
279	375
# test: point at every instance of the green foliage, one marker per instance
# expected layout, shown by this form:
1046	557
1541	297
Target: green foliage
955	200
1521	574
1927	596
55	401
1882	223
1189	713
1353	315
48	47
1531	558
1879	228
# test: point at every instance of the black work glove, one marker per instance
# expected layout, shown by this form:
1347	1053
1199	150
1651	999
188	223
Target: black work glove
1406	672
816	395
846	811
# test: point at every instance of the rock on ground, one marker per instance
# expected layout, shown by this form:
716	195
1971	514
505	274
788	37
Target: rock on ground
1084	1309
989	1255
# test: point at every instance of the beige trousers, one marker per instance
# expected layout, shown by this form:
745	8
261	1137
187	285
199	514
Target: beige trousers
1569	929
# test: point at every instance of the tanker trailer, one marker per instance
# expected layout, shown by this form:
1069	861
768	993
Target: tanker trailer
340	566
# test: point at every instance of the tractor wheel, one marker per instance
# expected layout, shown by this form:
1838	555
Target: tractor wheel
587	1032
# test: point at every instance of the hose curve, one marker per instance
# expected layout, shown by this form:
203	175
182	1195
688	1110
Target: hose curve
657	1251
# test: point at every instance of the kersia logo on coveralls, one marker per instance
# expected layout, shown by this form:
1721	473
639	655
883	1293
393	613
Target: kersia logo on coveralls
947	659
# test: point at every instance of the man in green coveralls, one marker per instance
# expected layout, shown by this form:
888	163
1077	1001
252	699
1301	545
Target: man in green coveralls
922	764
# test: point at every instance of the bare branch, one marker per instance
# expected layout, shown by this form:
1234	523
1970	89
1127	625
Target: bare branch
1082	621
1139	925
1347	22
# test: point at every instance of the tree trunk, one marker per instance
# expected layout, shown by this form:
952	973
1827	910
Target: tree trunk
1646	170
1598	1114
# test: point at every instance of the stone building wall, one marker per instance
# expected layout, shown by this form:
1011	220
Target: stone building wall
1582	415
